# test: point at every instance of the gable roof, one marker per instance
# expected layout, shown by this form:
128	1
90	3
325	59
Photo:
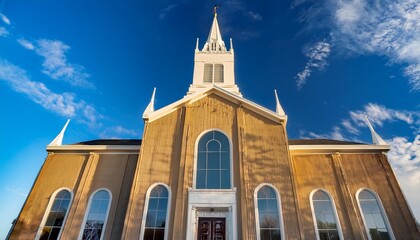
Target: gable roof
258	109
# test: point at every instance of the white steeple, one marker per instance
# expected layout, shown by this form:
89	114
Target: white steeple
58	141
214	64
376	139
214	42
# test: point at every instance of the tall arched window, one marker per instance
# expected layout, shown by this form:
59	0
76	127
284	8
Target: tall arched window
374	217
157	204
213	162
325	216
97	215
268	213
55	216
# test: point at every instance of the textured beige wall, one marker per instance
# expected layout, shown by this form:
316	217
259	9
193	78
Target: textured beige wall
83	174
58	171
168	148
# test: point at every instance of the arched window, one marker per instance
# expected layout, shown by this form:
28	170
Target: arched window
97	215
213	162
325	216
157	204
374	217
55	216
268	213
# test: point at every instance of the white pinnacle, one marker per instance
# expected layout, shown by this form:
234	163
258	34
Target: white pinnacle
58	141
151	107
376	139
279	109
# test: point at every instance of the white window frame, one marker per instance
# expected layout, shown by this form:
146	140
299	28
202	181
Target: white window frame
48	210
257	214
213	72
334	208
196	156
381	208
82	229
146	208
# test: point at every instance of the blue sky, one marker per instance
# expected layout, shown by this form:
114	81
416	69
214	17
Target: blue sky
96	62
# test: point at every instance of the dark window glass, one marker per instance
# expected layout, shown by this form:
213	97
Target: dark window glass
324	215
268	212
213	162
373	216
56	216
96	216
156	214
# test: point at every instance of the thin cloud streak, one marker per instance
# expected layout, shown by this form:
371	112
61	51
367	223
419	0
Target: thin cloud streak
317	56
118	132
18	191
55	64
3	32
63	104
5	19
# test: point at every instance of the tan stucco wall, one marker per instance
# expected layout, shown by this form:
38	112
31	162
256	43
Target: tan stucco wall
58	171
83	174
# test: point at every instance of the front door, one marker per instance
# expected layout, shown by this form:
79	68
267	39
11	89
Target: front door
211	228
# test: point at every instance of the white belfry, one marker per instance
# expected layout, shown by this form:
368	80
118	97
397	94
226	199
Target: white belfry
214	64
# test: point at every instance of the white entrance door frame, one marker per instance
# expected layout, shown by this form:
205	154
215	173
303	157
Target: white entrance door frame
212	203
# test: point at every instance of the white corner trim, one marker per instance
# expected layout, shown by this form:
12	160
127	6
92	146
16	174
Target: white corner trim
146	209
47	211
82	228
257	214
334	208
381	207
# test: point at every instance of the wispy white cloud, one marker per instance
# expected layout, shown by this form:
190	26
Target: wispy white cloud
386	28
118	132
335	134
404	157
5	19
63	104
26	44
18	191
166	10
55	64
378	114
254	16
317	56
3	32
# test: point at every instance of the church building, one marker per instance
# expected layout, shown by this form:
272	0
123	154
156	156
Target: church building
214	165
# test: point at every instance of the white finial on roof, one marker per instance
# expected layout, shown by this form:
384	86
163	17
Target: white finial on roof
376	139
151	107
279	109
231	45
58	141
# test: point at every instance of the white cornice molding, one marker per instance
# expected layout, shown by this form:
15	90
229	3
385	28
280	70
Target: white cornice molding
343	149
98	148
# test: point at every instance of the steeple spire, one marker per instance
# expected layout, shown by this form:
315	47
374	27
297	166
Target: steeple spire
214	42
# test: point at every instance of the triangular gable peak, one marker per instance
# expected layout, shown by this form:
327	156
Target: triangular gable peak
258	109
